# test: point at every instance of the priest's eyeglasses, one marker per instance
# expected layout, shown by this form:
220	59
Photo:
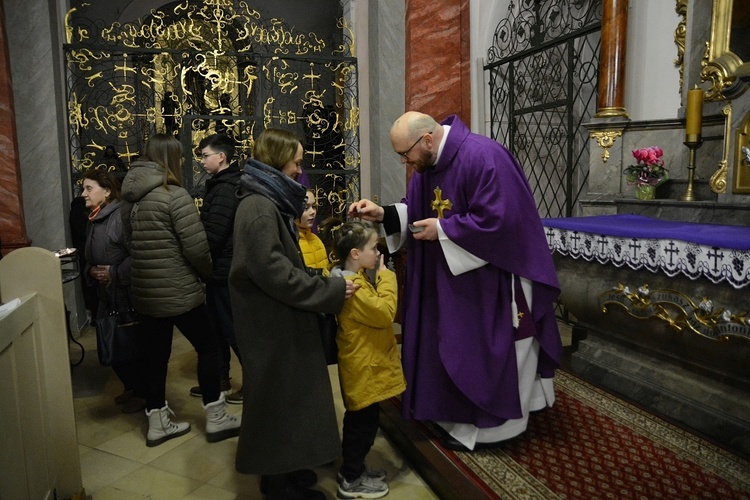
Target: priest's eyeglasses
405	154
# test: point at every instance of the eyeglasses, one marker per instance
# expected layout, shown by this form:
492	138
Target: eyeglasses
206	155
405	154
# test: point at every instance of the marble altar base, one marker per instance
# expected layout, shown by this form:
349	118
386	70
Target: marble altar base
701	383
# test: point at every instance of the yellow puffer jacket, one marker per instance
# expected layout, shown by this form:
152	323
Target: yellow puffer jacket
369	359
313	251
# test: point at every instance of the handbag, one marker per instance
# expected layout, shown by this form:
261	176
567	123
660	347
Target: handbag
116	341
328	328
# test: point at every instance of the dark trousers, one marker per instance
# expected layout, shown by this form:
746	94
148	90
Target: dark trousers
131	373
220	312
196	327
360	429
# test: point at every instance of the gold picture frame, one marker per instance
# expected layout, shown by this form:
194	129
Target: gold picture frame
724	68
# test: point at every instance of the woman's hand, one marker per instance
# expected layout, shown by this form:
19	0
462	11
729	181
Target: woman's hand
101	274
351	287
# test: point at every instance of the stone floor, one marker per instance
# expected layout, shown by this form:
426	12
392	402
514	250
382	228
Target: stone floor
116	464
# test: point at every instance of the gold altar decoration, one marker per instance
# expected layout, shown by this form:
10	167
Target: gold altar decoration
605	139
742	158
718	181
679	37
195	68
721	65
678	311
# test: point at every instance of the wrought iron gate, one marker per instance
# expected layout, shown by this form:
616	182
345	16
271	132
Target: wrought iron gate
194	68
543	68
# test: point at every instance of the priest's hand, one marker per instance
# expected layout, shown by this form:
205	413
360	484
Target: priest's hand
366	210
429	233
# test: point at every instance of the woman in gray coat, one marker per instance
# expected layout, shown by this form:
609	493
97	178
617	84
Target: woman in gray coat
288	423
108	271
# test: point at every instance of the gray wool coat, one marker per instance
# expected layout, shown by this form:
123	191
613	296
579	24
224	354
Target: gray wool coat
288	417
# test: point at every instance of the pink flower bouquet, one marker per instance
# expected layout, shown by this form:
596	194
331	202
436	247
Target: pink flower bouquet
649	168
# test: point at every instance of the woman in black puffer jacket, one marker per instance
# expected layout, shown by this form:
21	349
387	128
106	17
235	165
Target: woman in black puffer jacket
170	258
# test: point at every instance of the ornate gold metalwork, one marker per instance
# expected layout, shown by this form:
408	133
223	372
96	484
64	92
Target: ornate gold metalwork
439	204
612	111
721	66
718	182
679	37
742	158
606	139
196	68
678	311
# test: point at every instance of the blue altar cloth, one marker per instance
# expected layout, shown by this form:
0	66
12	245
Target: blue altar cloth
716	252
637	226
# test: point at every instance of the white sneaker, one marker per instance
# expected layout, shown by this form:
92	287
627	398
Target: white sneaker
369	471
362	487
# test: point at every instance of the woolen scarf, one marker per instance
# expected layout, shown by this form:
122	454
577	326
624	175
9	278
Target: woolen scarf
288	195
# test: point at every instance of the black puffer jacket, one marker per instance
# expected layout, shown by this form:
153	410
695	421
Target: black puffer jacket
168	246
217	215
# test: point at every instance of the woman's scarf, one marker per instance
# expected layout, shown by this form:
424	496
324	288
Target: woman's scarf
288	195
95	211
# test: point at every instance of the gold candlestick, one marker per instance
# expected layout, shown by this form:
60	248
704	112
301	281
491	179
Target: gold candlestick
692	141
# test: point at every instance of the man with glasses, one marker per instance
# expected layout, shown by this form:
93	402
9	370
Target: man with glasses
217	215
480	338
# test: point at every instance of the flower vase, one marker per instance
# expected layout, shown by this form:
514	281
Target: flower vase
645	192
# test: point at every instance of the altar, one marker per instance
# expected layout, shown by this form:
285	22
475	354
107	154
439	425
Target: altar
665	310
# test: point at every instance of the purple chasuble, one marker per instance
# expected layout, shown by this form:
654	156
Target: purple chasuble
458	338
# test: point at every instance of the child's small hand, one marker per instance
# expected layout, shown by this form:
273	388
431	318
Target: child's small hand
382	266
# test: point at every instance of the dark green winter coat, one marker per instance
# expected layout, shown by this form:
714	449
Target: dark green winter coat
288	417
168	246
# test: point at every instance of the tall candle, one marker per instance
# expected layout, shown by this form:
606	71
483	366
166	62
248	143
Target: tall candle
694	113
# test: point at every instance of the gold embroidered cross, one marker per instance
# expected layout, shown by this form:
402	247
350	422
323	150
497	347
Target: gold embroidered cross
439	204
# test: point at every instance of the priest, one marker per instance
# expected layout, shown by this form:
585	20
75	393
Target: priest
480	338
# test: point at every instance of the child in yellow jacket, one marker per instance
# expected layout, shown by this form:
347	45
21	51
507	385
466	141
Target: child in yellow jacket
313	250
369	359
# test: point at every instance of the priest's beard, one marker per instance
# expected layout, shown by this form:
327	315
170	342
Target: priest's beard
423	161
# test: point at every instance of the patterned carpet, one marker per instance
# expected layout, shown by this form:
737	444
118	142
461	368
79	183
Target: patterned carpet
591	445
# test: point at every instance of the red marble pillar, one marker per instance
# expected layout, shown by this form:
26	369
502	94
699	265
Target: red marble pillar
12	225
438	78
612	61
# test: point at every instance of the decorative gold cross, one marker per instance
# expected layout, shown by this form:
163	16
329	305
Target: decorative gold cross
439	204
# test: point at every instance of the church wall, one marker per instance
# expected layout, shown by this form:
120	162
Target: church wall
652	88
34	47
387	97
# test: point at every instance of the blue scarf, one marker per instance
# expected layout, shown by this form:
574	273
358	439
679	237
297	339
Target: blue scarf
288	195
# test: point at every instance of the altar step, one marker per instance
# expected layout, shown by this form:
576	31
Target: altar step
704	404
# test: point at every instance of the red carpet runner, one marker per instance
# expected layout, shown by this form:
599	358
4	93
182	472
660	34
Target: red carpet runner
593	445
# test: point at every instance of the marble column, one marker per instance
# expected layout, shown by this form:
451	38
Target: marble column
612	61
12	225
438	78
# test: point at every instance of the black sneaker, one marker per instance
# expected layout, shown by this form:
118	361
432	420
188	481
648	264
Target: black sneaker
224	386
235	398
